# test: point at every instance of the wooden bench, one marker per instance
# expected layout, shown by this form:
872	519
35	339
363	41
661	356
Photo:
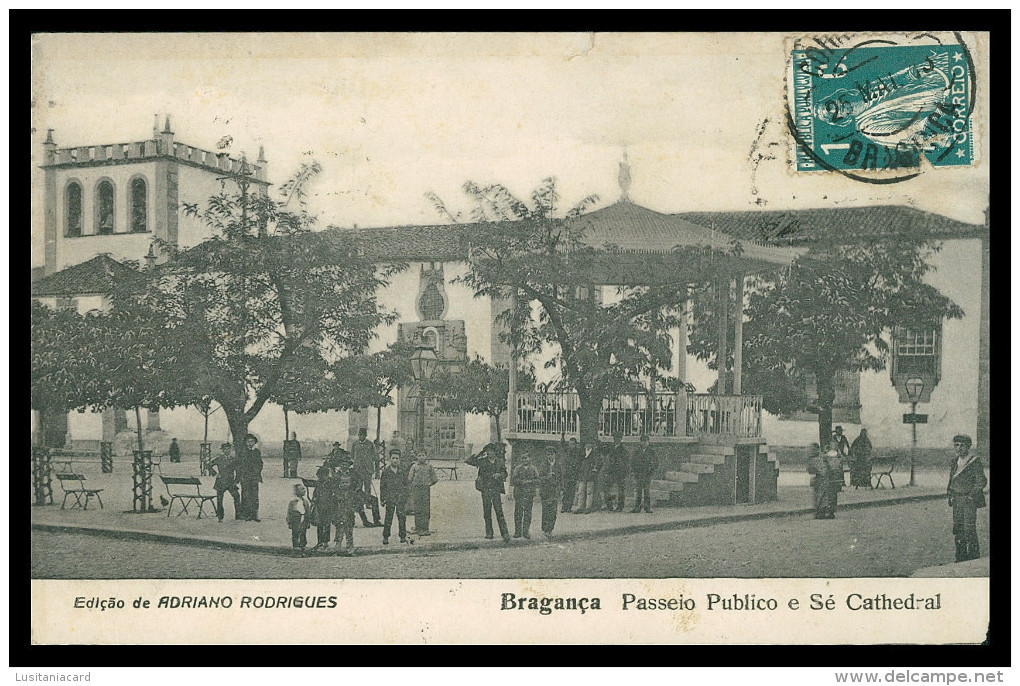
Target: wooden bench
74	484
176	488
878	474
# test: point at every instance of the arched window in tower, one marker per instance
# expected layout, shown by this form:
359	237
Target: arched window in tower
104	208
139	223
72	210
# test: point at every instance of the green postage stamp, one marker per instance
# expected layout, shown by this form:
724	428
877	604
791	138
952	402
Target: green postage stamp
874	105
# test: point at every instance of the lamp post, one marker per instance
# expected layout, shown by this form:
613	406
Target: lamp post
914	388
423	363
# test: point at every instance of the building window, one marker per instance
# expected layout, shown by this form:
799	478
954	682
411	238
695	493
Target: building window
104	208
139	216
916	358
915	351
72	210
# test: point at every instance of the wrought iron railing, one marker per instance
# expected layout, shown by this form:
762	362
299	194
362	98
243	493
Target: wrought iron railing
660	415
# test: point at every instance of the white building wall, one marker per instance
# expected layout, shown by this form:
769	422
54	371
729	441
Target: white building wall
953	406
195	186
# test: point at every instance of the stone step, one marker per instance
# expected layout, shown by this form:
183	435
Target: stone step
700	458
712	449
697	467
686	477
659	495
666	485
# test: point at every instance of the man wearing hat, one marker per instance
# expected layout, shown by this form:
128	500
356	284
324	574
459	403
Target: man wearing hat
364	469
966	492
643	466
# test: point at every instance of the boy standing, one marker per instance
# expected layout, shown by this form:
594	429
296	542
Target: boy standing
297	517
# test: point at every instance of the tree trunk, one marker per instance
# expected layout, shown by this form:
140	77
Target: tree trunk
825	381
138	427
588	416
499	433
205	433
238	431
378	422
286	425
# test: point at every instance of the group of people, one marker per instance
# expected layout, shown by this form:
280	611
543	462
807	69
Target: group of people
344	486
591	474
827	467
595	476
965	490
240	477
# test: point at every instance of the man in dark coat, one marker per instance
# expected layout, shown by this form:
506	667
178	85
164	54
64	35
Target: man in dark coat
617	462
393	493
225	467
364	468
524	480
175	451
572	461
642	466
966	492
550	476
489	482
587	474
250	472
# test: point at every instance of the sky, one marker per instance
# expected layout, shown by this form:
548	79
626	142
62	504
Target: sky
392	117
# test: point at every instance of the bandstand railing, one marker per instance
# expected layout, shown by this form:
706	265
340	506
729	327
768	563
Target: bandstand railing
665	415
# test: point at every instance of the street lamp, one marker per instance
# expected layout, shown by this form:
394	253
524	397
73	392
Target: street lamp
914	388
423	363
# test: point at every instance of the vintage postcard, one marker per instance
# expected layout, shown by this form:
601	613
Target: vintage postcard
517	338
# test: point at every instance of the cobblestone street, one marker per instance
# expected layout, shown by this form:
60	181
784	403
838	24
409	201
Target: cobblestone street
891	540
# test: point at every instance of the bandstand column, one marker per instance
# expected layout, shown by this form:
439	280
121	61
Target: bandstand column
738	333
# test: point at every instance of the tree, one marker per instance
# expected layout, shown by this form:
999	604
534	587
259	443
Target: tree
265	299
58	381
831	311
541	265
476	387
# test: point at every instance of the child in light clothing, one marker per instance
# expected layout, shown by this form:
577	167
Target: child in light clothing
297	517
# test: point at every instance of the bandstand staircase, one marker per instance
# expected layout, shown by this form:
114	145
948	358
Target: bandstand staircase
709	476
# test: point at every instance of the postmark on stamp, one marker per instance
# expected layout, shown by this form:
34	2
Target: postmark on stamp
872	108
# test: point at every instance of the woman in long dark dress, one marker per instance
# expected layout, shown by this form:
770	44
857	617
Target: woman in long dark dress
860	461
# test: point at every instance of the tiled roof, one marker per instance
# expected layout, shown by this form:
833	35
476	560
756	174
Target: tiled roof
632	227
439	243
94	277
803	226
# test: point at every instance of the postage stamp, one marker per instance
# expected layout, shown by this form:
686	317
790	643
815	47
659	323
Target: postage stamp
876	106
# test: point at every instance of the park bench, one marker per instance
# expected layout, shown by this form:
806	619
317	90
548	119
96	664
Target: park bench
179	488
74	484
884	472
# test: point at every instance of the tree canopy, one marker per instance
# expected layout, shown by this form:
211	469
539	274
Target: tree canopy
476	387
832	310
261	309
538	262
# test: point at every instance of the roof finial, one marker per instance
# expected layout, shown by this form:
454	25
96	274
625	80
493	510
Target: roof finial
262	155
166	126
49	137
624	178
155	126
